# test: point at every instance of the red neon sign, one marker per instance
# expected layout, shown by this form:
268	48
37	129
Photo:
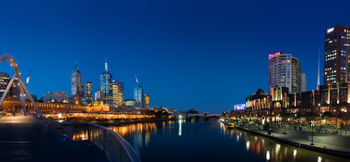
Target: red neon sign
274	55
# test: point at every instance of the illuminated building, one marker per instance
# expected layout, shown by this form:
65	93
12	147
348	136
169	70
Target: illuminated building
138	96
146	96
120	95
76	87
106	85
259	100
4	80
129	103
88	96
55	97
9	105
303	82
284	71
115	90
14	90
98	95
337	53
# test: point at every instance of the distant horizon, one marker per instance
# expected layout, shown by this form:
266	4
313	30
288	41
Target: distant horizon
186	54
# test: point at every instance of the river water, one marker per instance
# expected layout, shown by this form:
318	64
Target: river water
209	141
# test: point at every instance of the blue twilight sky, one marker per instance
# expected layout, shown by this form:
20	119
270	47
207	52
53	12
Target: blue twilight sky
202	54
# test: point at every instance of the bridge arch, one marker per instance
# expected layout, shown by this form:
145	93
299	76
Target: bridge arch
23	88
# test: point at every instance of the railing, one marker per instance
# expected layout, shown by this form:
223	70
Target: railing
116	148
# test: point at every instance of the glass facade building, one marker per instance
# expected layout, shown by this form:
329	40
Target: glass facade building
337	55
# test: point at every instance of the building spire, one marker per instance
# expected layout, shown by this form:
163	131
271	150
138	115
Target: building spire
106	65
319	68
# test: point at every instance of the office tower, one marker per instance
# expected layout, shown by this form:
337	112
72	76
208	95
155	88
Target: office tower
146	96
337	53
4	80
138	96
284	71
115	90
88	96
76	87
303	82
98	95
120	96
106	85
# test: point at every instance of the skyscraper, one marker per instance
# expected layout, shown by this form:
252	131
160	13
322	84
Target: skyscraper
284	71
88	96
146	96
138	96
303	82
115	90
76	87
337	55
120	96
106	85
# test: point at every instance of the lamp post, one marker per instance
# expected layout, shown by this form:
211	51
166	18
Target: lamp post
312	132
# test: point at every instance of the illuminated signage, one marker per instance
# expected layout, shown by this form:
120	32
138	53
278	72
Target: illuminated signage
330	30
239	107
274	55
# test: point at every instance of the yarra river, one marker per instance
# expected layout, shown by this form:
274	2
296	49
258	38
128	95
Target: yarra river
209	141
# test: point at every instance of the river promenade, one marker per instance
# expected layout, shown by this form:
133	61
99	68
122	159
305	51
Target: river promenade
26	139
329	143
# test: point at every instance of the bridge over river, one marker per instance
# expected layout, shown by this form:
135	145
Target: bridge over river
33	137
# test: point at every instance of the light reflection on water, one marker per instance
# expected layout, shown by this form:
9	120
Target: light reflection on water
141	135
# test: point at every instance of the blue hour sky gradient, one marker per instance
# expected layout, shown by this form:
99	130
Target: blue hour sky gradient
207	55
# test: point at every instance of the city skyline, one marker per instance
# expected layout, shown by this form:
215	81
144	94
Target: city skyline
176	56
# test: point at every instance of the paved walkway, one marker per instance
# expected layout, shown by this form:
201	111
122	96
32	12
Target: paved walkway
25	139
329	141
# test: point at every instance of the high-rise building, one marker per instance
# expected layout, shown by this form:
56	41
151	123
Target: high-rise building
106	85
98	95
337	55
146	96
15	91
4	80
88	96
284	71
120	96
303	82
138	96
76	87
115	91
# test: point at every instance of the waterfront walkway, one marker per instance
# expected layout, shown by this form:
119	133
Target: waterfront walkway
323	142
26	139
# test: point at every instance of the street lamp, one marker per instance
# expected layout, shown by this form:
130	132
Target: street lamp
312	132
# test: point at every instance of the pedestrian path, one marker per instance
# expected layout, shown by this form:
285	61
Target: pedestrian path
26	139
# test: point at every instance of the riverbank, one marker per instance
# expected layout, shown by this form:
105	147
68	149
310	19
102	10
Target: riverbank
117	122
322	144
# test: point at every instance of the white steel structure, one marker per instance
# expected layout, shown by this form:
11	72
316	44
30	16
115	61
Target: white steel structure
23	88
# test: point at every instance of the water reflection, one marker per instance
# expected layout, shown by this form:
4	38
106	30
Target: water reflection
141	135
273	151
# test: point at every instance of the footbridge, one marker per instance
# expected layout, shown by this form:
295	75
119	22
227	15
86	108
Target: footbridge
32	137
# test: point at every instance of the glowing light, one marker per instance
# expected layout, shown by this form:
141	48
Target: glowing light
294	153
267	155
274	55
247	145
330	30
319	159
59	115
180	127
278	147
